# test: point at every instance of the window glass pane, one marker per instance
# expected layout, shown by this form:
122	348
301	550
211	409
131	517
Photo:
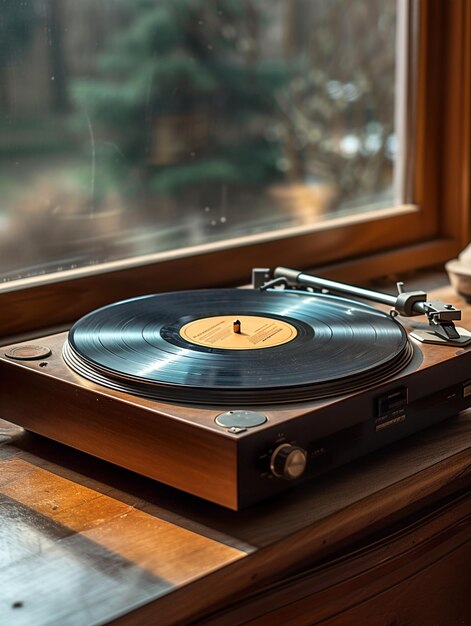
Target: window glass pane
129	127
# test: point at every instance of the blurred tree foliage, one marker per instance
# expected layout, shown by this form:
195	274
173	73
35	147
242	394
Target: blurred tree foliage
339	114
184	94
17	21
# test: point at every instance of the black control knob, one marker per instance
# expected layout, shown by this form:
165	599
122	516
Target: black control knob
288	461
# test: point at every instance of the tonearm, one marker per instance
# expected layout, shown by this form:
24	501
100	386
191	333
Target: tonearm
440	316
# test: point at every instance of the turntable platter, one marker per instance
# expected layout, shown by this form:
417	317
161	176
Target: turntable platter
237	346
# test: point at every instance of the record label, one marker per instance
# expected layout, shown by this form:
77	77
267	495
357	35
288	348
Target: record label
255	332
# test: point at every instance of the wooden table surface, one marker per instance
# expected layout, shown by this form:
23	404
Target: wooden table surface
83	542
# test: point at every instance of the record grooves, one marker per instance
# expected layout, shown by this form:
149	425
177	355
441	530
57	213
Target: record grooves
327	346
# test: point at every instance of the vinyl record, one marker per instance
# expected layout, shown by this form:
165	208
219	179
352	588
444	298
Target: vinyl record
184	346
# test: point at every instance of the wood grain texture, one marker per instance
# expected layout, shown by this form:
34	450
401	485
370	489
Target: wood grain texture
442	160
90	554
83	541
144	436
455	147
376	580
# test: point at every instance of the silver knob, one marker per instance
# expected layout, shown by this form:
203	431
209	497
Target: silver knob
288	462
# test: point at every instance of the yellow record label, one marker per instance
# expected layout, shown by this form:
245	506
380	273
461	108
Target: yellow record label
254	332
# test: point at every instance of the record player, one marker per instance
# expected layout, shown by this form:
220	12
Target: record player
234	395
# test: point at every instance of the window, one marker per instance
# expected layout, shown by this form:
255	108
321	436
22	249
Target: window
156	145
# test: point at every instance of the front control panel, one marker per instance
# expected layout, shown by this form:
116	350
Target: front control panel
301	451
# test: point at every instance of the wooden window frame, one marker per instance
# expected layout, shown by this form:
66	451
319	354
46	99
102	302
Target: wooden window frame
433	230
